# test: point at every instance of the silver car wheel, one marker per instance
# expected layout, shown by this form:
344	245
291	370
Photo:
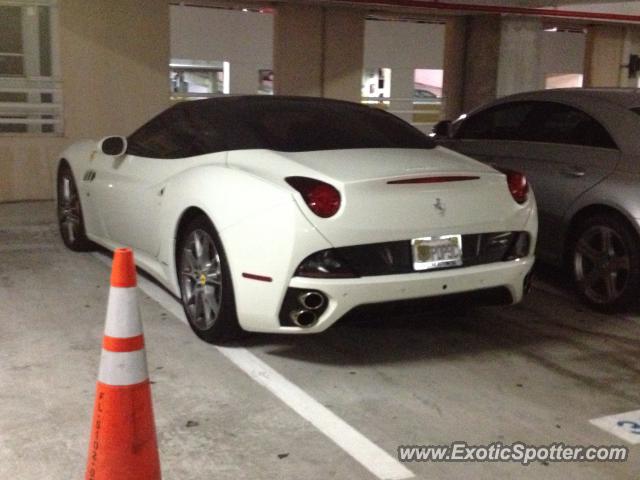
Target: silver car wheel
201	278
68	209
602	264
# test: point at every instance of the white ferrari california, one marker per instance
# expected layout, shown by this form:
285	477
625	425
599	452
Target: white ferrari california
283	214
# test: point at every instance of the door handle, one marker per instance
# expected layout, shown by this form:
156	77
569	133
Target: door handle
574	172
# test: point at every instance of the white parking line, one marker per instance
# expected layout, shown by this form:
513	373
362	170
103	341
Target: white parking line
363	450
623	425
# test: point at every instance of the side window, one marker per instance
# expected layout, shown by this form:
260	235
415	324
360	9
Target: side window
180	132
166	136
547	122
502	122
208	131
153	138
557	123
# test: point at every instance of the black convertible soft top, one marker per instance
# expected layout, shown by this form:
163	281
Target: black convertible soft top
289	124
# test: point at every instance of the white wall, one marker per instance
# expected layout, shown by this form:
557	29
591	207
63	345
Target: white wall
519	63
112	82
244	39
562	52
403	45
211	34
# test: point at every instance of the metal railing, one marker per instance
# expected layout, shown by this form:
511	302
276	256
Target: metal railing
422	113
31	105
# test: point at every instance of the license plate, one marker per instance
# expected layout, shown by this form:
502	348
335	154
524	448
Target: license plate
437	252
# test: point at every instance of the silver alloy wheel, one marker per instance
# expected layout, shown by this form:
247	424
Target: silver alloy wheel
602	264
69	208
201	278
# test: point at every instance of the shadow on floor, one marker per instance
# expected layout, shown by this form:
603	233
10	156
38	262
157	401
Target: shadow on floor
555	332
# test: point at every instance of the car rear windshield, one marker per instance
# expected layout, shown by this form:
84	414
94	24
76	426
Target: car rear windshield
289	125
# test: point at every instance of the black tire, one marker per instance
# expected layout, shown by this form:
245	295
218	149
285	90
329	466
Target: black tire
205	283
605	262
69	209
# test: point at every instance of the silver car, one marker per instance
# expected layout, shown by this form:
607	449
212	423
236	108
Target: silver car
580	150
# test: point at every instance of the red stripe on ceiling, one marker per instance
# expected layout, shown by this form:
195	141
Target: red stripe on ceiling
467	7
450	178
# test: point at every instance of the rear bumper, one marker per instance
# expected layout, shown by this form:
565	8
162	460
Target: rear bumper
275	243
479	283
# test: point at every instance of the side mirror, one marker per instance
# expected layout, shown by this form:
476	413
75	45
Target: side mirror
441	129
113	146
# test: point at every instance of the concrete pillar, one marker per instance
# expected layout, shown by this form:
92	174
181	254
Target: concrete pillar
472	48
318	51
297	50
520	56
487	56
454	61
481	60
343	54
114	80
604	56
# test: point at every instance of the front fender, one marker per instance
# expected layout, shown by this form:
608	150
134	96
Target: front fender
619	192
79	156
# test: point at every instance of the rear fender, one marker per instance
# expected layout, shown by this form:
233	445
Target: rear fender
228	197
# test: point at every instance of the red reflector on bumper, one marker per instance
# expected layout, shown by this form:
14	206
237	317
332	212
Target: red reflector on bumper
260	278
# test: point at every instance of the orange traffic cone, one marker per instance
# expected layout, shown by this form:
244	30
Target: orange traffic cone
123	442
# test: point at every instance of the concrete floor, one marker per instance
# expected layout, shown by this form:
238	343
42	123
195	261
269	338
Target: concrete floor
535	373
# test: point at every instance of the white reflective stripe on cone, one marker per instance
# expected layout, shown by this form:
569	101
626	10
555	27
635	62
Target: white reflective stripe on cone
122	368
123	315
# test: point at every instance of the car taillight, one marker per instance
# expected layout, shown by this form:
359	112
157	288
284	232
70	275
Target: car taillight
518	184
322	198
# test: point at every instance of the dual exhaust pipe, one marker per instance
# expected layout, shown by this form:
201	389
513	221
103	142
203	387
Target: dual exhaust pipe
307	316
